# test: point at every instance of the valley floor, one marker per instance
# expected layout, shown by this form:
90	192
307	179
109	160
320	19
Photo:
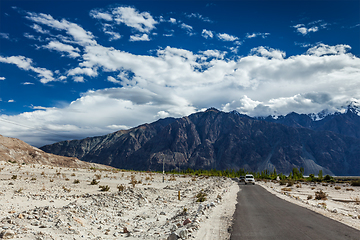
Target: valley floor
44	202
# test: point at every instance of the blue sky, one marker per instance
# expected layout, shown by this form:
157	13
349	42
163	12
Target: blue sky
72	69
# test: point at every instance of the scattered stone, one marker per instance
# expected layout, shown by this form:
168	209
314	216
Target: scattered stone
186	221
162	213
184	234
334	210
173	236
7	234
125	230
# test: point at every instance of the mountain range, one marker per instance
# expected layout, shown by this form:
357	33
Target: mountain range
218	140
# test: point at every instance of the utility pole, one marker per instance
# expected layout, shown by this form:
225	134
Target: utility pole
163	168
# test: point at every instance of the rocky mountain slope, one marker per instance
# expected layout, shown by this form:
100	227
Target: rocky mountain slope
347	123
215	139
17	151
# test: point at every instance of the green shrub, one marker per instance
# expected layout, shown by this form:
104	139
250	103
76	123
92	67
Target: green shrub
201	197
355	183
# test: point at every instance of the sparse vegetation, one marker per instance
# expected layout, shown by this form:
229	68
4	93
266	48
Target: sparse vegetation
355	183
337	188
309	197
94	182
349	189
121	187
286	189
97	176
201	196
104	188
76	181
320	195
14	177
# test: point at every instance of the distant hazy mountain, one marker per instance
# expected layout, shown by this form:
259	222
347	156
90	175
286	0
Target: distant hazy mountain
215	139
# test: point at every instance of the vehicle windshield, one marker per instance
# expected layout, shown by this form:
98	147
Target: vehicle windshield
249	177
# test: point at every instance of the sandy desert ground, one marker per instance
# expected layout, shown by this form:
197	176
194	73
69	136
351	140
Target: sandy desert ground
45	202
342	204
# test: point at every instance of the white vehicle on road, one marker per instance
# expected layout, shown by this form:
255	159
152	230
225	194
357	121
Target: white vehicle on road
249	178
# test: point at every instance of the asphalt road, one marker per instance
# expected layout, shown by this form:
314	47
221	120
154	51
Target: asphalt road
261	215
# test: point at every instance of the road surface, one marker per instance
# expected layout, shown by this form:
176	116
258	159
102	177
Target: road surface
261	215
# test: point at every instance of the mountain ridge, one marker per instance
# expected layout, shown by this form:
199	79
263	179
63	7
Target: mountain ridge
215	139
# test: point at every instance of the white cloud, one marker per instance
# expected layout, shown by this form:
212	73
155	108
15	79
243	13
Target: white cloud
78	34
101	16
39	29
2	78
253	35
310	27
11	101
207	34
79	79
26	64
108	29
172	20
198	16
142	22
91	72
64	48
188	28
27	83
113	80
139	37
4	35
226	37
268	52
322	49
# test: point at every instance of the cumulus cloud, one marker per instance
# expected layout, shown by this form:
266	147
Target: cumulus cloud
207	34
310	27
2	78
226	37
24	63
139	37
142	22
100	15
64	48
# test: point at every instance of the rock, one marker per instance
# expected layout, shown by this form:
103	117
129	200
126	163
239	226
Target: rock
186	221
7	234
173	228
334	210
184	234
162	213
212	204
125	230
173	236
